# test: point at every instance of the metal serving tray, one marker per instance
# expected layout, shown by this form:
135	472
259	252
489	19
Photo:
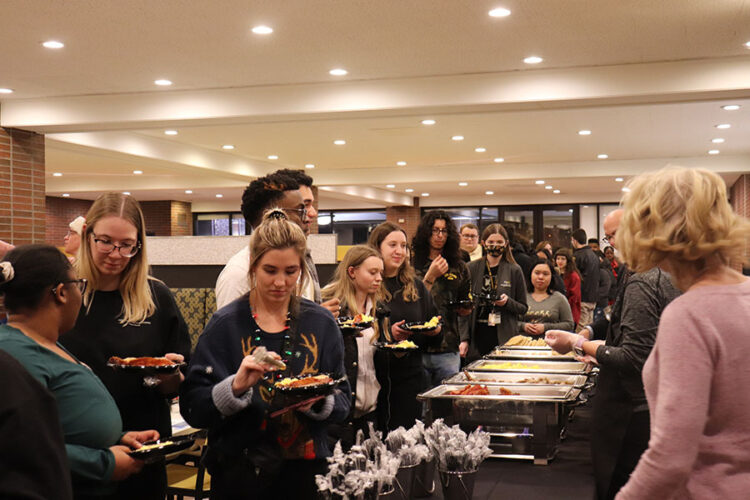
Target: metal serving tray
524	393
513	379
546	354
521	366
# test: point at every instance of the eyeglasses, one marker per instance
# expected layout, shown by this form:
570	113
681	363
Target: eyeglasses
80	283
125	249
608	237
469	236
301	212
436	231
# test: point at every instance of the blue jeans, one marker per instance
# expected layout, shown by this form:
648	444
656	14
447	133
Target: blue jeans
440	366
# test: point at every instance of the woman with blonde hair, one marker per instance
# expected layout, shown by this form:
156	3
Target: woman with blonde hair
127	313
254	452
357	285
407	300
680	220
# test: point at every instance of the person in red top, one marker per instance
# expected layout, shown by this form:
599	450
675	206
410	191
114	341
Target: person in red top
566	265
609	253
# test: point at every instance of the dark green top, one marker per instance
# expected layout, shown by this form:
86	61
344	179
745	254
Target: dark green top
89	417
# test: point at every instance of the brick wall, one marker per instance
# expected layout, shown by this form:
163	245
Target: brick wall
60	212
406	217
182	218
740	194
158	217
314	224
22	210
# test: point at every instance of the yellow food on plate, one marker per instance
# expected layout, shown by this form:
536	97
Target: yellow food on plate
508	366
404	344
524	341
430	325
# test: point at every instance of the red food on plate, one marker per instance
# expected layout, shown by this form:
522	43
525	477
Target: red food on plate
143	361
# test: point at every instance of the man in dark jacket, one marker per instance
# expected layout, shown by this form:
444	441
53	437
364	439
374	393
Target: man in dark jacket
588	265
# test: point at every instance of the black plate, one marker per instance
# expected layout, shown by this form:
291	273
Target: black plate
354	328
461	303
415	327
384	346
169	446
146	370
311	390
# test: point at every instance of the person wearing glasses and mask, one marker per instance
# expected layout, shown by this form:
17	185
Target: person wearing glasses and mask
43	298
127	313
499	286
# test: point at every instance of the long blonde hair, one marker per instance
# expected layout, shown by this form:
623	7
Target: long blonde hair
682	216
406	274
137	302
277	232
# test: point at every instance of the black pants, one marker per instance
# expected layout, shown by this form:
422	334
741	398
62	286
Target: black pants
240	480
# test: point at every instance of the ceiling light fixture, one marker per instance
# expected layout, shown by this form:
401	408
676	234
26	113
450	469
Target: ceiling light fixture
499	12
428	122
401	163
556	191
409	190
338	72
619	179
309	165
390	186
126	193
339	142
723	126
273	157
170	132
219	195
188	191
584	132
717	140
625	189
547	187
480	150
457	138
425	194
499	160
227	146
731	107
463	184
57	174
602	156
533	60
489	193
6	91
262	30
53	44
540	182
713	151
137	172
747	45
66	195
163	82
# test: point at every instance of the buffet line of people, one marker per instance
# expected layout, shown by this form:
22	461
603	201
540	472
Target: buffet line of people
427	306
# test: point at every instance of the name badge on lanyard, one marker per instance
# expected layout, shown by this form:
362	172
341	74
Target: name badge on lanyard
494	319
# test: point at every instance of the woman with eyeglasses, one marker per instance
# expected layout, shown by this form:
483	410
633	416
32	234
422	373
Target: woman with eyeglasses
127	313
43	298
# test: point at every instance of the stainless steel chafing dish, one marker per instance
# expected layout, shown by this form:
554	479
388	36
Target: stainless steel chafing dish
514	379
526	425
533	366
530	354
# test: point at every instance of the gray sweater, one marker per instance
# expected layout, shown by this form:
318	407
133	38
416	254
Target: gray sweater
553	312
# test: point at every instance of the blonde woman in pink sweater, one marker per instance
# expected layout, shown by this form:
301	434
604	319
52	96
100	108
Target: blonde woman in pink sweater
697	375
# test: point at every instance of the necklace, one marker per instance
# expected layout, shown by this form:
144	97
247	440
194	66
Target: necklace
286	345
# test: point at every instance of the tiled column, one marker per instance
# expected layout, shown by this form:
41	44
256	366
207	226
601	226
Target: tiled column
22	207
406	217
740	194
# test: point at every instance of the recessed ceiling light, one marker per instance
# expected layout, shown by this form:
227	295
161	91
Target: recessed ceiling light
425	194
463	184
309	165
713	151
428	122
227	146
409	190
126	193
717	140
499	160
731	107
489	193
262	30
747	45
6	91
170	132
457	138
338	72
556	191
533	60
401	163
163	83
548	187
480	150
540	182
625	189
66	195
499	12
390	186
53	44
273	157
219	195
57	174
723	126
602	156
339	142
584	132
188	191
137	172
619	179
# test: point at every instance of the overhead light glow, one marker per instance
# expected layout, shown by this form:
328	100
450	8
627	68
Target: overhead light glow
713	151
188	191
220	195
170	132
731	107
499	160
53	44
499	12
401	163
463	184
489	193
273	157
309	165
425	194
163	82
723	126
137	172
533	60
428	122
480	150
409	190
227	146
6	91
457	138
619	179
548	187
126	193
57	174
338	72
339	142
540	182
556	191
584	132
66	195
625	189
390	186
602	156
747	45
262	30
717	140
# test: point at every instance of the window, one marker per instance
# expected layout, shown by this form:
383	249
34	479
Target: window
352	227
219	224
557	227
522	223
460	216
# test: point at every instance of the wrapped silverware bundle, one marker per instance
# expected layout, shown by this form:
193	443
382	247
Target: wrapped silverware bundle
405	445
456	451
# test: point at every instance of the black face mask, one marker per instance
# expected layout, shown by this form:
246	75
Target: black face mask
495	250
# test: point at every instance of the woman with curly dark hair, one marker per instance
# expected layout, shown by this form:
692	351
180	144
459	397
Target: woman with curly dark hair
437	260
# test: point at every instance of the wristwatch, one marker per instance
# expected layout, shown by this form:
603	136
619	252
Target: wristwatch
578	346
